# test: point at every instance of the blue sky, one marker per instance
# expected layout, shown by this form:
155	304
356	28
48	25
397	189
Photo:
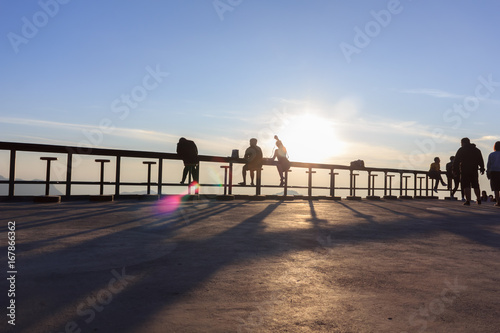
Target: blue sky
423	74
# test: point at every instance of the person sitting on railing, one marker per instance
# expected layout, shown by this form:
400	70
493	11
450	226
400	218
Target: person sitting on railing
283	163
188	152
253	156
435	173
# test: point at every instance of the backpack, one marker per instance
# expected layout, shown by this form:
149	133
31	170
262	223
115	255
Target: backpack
358	164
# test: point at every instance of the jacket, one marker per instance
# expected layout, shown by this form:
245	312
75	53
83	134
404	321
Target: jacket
468	159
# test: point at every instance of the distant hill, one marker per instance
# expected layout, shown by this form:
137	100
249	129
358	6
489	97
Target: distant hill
289	192
32	189
35	189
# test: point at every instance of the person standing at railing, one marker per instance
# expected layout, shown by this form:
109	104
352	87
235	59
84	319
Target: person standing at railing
493	171
253	157
283	163
452	179
188	152
468	160
435	173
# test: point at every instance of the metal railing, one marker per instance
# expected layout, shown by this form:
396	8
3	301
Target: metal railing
419	189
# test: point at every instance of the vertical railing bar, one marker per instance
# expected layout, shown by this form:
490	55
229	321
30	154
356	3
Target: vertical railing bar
415	184
69	170
258	182
309	182
332	182
230	188
401	184
12	172
350	182
160	174
117	176
285	185
385	183
369	182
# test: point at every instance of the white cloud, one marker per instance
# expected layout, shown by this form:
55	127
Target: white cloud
488	138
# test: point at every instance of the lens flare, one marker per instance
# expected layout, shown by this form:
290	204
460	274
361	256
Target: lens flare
171	203
215	176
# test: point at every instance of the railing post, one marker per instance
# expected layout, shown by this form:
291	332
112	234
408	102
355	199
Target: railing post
406	184
385	183
426	185
160	174
230	189
101	183
372	184
12	172
403	186
225	167
47	176
400	184
149	163
415	184
353	184
350	182
352	187
420	183
390	182
285	185
196	169
69	170
117	176
309	181
258	181
332	182
369	182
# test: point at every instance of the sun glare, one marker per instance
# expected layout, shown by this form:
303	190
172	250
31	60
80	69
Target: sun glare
310	138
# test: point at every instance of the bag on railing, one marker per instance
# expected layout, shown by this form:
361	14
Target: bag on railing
358	164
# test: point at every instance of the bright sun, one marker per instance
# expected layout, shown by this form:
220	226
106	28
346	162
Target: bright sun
309	138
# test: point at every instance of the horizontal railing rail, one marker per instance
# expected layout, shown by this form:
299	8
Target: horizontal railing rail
412	183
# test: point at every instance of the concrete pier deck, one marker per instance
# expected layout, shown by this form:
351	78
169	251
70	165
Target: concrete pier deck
254	266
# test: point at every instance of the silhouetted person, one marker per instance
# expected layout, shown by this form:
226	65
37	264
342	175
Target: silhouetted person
468	160
493	171
451	178
188	152
435	173
283	162
253	156
484	196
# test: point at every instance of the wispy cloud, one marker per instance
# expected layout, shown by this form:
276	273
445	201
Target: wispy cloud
431	92
444	94
235	117
488	138
132	133
392	127
208	145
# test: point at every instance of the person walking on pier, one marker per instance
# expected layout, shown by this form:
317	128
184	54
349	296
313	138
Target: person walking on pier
253	157
468	160
435	173
283	162
188	152
493	171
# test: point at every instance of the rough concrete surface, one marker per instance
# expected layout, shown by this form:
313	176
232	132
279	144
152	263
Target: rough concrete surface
248	266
